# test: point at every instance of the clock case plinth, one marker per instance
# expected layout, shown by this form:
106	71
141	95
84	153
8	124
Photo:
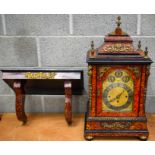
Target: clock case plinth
117	50
115	126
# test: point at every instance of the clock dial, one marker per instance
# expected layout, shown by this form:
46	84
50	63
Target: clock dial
118	96
118	92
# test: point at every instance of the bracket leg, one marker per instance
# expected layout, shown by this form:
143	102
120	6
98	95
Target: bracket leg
68	101
20	99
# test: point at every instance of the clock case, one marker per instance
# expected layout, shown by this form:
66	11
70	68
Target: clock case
117	51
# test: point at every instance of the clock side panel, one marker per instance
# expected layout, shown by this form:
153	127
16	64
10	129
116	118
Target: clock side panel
118	89
143	90
92	88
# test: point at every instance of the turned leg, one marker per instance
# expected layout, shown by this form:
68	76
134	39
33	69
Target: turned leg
68	100
20	99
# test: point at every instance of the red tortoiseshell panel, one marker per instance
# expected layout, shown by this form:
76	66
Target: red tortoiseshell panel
118	125
94	86
145	74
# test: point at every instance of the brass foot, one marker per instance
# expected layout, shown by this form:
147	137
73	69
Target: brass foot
143	138
89	138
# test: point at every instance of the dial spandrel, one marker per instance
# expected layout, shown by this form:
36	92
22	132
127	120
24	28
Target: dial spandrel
118	92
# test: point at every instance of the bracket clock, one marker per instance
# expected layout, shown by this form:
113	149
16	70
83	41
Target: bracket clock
118	76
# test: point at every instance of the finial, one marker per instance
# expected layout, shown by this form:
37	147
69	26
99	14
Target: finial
146	52
92	51
139	45
118	22
92	45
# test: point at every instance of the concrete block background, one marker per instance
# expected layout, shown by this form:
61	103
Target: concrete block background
102	24
148	25
1	26
45	25
18	52
63	41
66	51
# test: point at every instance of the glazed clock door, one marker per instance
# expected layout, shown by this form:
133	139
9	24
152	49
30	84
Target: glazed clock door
118	90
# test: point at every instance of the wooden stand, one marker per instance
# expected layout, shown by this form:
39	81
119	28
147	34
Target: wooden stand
43	82
68	101
20	100
18	87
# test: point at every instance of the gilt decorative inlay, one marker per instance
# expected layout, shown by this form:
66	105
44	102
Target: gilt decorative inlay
40	75
118	47
115	125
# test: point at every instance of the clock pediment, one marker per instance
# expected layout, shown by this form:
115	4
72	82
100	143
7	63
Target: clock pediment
120	44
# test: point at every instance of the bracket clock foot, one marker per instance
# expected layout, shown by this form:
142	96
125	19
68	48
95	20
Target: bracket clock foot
68	101
143	138
88	137
20	99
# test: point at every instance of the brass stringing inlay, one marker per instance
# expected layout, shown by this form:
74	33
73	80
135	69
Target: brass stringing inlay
40	75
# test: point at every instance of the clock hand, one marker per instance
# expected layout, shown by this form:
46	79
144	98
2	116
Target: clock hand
113	99
116	97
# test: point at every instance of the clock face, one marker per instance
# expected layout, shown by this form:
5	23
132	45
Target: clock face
118	92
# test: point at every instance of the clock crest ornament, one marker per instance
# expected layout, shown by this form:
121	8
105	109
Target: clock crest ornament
118	75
